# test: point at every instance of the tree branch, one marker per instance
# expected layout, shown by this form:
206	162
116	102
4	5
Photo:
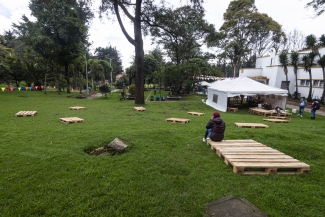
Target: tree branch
128	37
125	10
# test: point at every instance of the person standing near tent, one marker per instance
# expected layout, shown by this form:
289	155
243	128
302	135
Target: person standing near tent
215	128
302	105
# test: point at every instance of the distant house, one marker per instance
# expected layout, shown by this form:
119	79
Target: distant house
118	76
269	71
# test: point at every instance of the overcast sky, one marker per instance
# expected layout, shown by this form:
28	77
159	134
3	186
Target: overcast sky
291	14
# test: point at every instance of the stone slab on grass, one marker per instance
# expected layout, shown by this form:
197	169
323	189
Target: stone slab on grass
233	207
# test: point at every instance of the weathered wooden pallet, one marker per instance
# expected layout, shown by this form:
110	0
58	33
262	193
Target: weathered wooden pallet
77	108
25	113
277	120
251	125
196	113
278	117
233	109
178	120
71	120
140	108
250	157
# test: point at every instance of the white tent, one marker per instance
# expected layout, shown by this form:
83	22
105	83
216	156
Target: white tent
219	92
204	83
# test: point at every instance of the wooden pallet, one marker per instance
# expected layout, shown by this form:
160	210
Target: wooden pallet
250	157
178	120
71	120
233	109
77	108
139	108
278	117
251	125
277	120
196	113
25	113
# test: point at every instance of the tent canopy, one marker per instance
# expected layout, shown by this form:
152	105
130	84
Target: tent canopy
219	92
246	86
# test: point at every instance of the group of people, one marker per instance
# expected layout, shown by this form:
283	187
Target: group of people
216	127
314	107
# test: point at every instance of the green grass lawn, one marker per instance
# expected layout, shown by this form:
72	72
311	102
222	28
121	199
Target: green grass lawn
167	170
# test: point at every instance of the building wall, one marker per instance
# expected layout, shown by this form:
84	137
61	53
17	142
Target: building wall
269	66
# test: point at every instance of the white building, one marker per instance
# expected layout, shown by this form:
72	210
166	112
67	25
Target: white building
269	71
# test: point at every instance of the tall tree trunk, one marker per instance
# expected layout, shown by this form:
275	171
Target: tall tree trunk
310	86
286	73
139	54
296	96
67	77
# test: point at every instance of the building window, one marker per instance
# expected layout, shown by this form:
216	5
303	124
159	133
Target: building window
302	82
285	85
307	83
321	84
215	98
316	83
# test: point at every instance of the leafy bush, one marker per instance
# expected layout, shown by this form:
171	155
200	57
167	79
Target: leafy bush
132	89
104	89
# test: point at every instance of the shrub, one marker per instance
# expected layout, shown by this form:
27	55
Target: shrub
132	89
104	89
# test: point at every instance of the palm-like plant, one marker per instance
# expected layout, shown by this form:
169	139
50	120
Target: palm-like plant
311	42
308	62
321	62
283	58
294	58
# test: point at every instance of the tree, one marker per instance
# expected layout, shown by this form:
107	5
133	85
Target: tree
308	62
295	42
111	55
96	72
245	30
182	32
321	62
294	61
142	12
312	43
150	66
283	58
61	24
318	6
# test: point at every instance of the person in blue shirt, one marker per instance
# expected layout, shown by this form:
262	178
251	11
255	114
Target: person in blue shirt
302	105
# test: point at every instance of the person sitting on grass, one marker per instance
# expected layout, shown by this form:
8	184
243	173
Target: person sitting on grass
215	128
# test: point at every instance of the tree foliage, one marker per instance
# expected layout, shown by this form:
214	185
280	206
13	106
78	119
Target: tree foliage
318	6
59	32
245	32
182	32
140	14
